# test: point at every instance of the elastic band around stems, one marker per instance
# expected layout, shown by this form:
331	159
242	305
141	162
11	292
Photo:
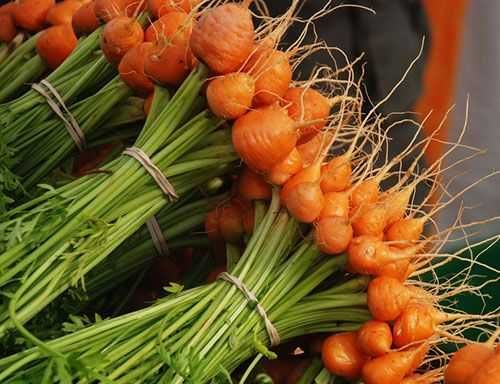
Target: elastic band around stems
56	103
252	299
157	236
153	170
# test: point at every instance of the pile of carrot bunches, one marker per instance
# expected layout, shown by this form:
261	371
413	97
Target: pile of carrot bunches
284	185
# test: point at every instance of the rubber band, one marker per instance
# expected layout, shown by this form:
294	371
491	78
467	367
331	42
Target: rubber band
159	240
56	103
252	299
153	170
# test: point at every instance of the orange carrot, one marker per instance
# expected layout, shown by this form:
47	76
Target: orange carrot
107	10
230	96
387	298
405	231
8	28
310	150
332	234
84	20
168	62
119	36
134	7
399	269
31	14
375	338
281	172
466	361
8	8
147	103
392	367
252	186
370	220
415	323
309	174
62	13
341	355
425	378
131	69
365	193
305	202
224	37
175	26
55	44
160	8
336	174
273	74
231	222
336	204
488	373
307	104
264	137
396	204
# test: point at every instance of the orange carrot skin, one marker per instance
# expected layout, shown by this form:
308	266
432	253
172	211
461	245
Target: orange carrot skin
405	231
305	202
252	186
465	363
366	193
366	254
307	104
55	44
273	74
131	69
31	14
333	234
336	204
224	37
168	63
387	298
341	355
230	96
488	373
375	338
310	150
264	137
336	175
62	13
370	220
281	172
416	323
8	8
8	28
392	367
160	8
84	20
119	36
175	26
309	174
148	103
107	10
399	269
396	204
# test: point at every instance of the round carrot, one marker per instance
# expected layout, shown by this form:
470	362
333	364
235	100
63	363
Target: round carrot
341	355
131	69
332	234
224	37
230	96
8	28
387	298
392	367
264	137
466	361
309	174
31	14
107	10
174	26
305	202
231	222
375	338
425	378
55	44
168	62
148	102
84	20
281	172
119	36
370	220
273	74
160	8
307	104
309	151
396	204
366	193
8	8
399	269
252	186
336	174
415	323
134	7
62	13
336	204
488	373
405	231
